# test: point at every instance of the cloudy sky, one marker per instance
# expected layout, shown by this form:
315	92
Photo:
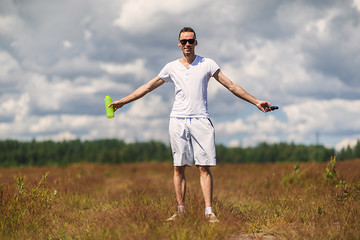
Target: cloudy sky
59	59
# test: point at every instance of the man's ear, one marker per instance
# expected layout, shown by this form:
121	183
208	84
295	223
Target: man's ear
196	42
179	44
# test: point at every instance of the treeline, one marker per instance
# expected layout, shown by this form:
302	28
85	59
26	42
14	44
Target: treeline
349	152
17	153
280	152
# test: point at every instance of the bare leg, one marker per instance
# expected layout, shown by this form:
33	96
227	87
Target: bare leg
180	184
206	183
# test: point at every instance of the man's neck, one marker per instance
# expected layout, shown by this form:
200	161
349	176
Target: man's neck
187	60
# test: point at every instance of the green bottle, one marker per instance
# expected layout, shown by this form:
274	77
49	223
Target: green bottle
109	110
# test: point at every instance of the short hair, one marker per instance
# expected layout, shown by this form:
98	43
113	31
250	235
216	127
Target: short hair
187	29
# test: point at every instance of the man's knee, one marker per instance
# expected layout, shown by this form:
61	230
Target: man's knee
204	170
179	170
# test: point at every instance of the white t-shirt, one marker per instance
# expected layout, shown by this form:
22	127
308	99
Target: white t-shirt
190	86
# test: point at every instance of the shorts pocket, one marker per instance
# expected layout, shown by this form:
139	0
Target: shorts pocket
210	122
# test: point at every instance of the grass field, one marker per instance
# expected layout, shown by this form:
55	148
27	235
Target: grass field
132	201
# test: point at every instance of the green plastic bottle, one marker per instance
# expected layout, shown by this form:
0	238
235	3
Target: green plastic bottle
109	110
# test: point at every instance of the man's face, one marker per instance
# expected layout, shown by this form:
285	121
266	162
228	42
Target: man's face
186	47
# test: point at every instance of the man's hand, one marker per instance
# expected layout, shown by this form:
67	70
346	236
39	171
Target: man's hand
117	104
264	106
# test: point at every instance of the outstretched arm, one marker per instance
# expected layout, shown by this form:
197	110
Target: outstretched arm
138	93
240	92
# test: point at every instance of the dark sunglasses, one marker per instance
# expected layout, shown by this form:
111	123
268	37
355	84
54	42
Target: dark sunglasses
184	41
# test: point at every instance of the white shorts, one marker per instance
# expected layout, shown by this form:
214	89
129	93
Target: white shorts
192	139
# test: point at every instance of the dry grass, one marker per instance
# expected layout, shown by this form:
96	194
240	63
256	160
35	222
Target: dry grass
132	201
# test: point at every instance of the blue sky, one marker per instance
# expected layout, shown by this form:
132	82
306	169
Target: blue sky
59	59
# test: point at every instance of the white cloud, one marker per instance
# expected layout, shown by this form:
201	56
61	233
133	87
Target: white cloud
87	34
303	121
347	142
60	94
149	107
18	108
60	136
138	16
67	44
326	116
234	143
9	25
47	95
356	4
76	65
259	138
9	65
136	68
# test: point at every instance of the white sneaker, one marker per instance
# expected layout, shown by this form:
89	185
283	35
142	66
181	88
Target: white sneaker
212	218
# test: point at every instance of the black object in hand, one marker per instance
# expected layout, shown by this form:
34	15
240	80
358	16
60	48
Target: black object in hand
273	107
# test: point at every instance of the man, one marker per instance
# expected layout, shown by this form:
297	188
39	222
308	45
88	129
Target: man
192	135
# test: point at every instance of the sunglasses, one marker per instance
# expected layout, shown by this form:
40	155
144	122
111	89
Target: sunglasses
184	41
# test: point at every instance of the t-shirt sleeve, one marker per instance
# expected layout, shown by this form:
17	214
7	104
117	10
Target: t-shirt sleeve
213	66
164	74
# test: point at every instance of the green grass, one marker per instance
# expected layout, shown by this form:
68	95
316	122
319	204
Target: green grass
132	201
